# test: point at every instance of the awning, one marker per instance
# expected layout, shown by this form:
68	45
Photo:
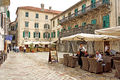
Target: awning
28	42
46	43
114	31
89	37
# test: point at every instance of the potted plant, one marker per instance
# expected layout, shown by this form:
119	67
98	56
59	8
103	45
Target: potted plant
31	48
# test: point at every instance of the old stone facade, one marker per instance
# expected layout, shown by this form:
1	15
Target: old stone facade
103	13
34	24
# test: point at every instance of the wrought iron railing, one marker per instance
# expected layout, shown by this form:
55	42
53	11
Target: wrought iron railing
90	28
86	10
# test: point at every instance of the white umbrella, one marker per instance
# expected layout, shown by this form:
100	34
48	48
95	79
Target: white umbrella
89	37
28	42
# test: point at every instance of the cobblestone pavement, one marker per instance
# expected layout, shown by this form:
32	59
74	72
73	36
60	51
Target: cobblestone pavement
34	66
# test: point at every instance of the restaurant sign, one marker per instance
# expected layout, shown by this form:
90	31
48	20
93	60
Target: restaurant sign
4	2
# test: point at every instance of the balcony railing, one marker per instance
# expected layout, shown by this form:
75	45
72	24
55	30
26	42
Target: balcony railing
90	28
86	10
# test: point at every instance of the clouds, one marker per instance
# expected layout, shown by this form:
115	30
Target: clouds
60	5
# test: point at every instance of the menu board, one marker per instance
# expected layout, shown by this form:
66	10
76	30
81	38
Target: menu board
53	57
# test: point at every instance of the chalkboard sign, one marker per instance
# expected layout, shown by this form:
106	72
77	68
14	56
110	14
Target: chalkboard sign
53	57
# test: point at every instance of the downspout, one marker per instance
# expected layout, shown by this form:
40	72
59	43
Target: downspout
116	11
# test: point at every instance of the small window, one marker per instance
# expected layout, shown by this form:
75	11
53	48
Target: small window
37	15
46	26
26	24
119	20
53	23
36	25
26	14
36	34
46	16
93	21
84	24
58	21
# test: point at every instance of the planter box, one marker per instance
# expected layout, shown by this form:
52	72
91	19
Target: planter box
27	50
41	49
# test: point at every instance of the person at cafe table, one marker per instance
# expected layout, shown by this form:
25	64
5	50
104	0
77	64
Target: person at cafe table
98	56
81	53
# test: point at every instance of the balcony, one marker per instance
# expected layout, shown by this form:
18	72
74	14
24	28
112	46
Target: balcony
90	28
84	11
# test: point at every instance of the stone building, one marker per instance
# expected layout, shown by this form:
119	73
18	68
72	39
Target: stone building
13	32
76	19
34	24
4	25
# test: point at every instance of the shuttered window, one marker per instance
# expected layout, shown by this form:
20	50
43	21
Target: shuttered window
105	1
34	34
48	35
29	34
51	34
84	24
76	26
54	34
26	24
83	7
93	21
119	20
93	3
106	23
43	35
69	27
76	11
26	14
8	14
23	34
58	33
39	34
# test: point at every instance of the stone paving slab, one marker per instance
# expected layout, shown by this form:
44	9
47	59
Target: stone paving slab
35	66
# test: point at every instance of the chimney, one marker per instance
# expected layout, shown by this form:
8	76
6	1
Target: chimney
50	8
42	7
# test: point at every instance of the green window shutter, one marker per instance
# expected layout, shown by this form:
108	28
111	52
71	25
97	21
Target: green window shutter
119	20
105	1
23	34
8	14
54	34
83	7
29	34
84	24
93	3
51	34
39	34
76	26
61	30
58	32
34	34
69	28
48	35
43	35
93	21
76	11
106	23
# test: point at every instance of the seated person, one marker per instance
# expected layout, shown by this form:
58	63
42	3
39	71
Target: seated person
98	56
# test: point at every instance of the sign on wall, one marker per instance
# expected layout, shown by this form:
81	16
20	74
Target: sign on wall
4	2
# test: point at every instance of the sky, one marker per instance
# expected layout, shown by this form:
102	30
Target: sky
59	5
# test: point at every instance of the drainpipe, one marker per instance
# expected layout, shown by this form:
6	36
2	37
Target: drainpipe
116	12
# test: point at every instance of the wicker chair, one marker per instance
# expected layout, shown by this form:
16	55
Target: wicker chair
85	63
1	59
72	61
107	61
117	66
115	58
95	66
66	59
